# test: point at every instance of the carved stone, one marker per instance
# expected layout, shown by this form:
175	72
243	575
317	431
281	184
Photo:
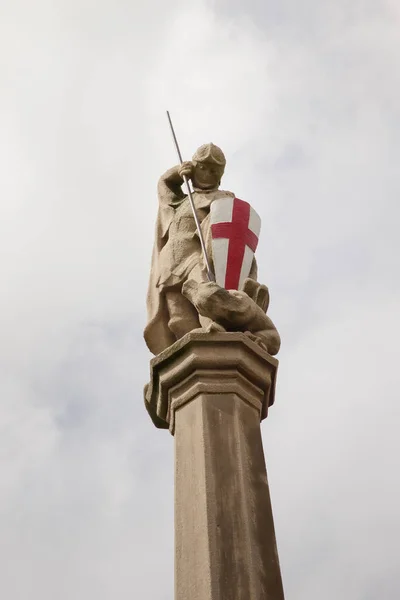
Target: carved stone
212	390
234	310
175	305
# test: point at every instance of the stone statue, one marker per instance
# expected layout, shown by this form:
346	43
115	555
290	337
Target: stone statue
180	299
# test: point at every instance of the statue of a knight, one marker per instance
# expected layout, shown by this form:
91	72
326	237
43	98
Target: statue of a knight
180	299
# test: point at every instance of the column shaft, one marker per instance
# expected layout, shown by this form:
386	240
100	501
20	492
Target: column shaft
224	532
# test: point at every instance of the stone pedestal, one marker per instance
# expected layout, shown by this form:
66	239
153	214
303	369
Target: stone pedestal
212	391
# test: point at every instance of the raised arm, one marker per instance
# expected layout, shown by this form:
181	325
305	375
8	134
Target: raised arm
170	187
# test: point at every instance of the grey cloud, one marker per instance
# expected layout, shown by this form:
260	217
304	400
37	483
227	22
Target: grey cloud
304	101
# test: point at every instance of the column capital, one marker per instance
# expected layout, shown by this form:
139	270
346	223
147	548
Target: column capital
210	363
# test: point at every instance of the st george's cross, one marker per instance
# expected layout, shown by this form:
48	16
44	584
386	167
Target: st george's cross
235	229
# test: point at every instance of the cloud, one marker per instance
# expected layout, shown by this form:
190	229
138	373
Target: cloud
304	103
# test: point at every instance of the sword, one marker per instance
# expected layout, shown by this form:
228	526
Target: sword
210	274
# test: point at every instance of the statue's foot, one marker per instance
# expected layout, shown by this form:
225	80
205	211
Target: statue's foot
214	327
211	327
198	330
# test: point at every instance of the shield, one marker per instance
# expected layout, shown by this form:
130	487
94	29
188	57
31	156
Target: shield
235	228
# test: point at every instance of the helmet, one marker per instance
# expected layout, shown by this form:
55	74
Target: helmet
209	153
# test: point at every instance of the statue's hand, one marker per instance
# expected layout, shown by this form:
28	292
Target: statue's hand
186	168
257	339
257	292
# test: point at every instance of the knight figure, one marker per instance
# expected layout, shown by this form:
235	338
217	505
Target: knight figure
180	299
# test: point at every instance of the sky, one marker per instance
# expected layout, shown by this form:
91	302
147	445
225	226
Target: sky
304	99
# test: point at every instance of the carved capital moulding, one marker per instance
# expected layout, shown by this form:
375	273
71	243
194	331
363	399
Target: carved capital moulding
209	363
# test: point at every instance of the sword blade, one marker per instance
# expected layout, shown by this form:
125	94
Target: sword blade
210	274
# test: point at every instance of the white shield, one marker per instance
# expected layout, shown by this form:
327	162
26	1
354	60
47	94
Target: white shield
235	229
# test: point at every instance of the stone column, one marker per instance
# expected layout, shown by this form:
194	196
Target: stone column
212	391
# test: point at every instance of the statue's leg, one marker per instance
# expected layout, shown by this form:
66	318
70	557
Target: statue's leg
183	316
198	275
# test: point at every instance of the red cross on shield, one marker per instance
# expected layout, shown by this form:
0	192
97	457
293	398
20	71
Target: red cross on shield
235	229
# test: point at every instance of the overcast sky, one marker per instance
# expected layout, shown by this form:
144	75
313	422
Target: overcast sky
304	99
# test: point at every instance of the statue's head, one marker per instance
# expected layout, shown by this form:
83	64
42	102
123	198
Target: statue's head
209	166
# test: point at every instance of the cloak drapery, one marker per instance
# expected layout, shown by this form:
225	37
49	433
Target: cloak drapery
176	251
